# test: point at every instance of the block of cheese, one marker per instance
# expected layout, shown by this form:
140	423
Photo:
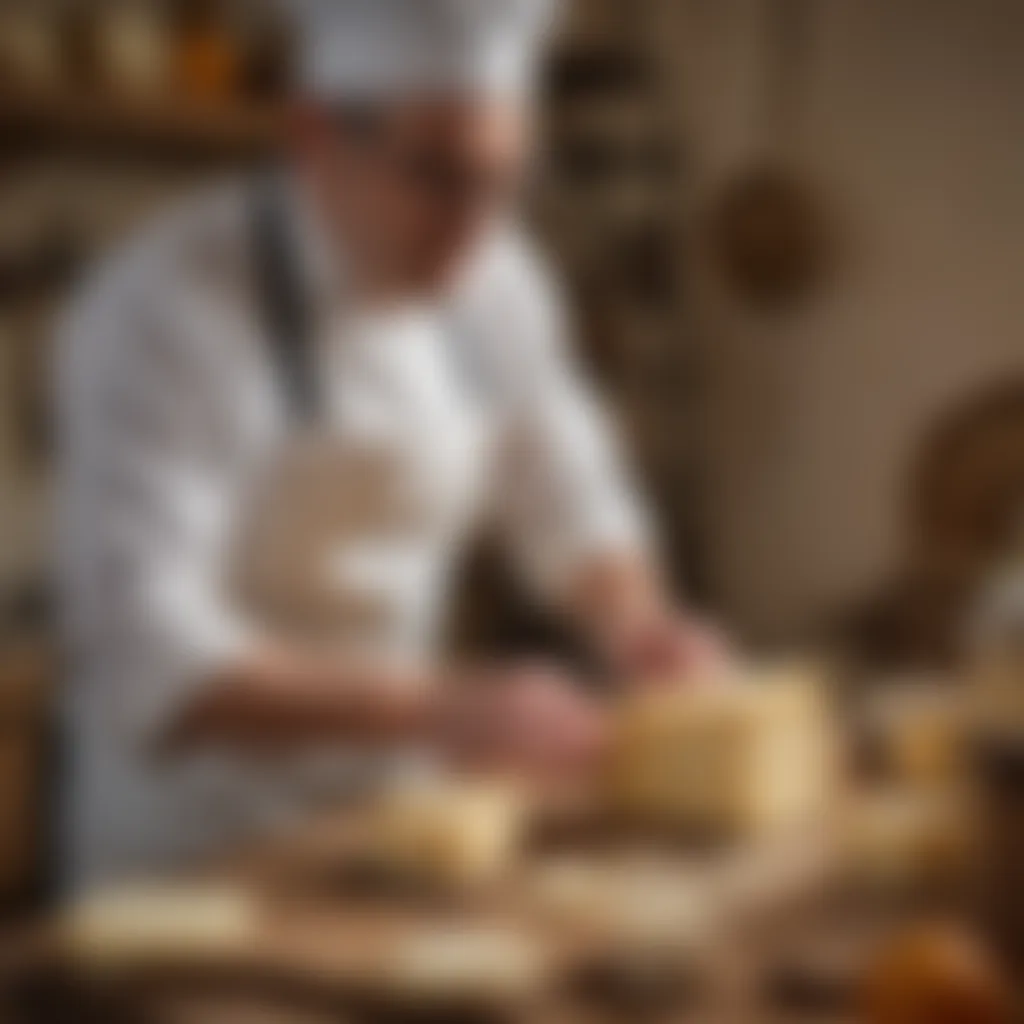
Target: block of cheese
145	924
738	759
466	965
643	904
448	833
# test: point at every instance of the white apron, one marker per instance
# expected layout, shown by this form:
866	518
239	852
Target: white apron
345	540
345	544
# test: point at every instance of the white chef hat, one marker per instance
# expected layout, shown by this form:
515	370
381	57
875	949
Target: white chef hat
374	48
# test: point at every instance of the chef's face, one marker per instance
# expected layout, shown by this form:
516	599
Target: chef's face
410	187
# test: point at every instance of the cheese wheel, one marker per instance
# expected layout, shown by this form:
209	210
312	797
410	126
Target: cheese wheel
745	759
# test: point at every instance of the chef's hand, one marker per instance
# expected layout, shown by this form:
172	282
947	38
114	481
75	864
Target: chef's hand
531	717
626	610
668	648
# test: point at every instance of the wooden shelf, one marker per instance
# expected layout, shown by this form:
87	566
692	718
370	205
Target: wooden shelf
188	129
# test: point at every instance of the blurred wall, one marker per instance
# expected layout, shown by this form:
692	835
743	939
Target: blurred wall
912	124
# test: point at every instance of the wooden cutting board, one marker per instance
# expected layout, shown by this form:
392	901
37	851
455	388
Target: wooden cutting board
324	940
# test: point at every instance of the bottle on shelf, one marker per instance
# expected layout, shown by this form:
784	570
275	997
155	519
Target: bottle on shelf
209	63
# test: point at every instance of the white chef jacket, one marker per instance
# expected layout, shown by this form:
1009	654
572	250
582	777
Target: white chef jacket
193	515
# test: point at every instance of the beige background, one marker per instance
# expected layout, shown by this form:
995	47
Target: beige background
914	126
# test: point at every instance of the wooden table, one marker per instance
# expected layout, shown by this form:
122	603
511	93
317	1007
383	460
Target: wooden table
301	971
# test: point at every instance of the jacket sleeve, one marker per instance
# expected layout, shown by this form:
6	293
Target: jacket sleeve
144	508
563	491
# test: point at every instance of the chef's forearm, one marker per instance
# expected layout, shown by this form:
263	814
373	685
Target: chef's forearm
644	636
282	699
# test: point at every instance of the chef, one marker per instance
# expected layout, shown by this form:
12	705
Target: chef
283	408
